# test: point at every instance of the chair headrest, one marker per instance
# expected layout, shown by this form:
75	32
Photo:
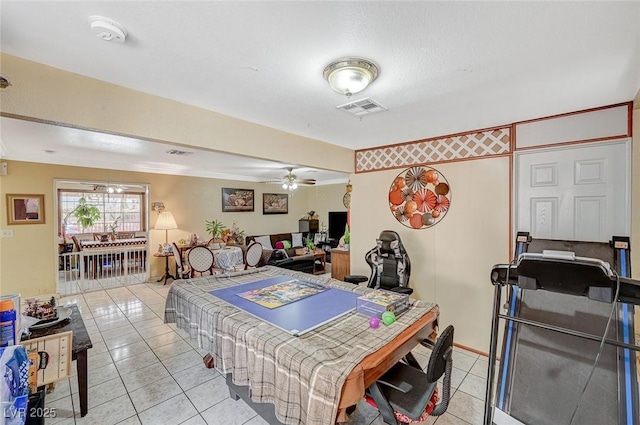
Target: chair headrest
388	241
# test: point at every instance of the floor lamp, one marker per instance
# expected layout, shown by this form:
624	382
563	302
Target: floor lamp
166	222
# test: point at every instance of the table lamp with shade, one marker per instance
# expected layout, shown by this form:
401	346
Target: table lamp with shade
166	222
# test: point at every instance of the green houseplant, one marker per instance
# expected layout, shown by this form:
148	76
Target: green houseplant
113	227
215	228
86	214
347	237
310	245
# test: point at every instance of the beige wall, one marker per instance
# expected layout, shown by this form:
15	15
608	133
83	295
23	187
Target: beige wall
450	261
51	94
28	261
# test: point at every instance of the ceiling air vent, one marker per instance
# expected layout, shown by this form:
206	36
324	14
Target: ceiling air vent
362	107
179	153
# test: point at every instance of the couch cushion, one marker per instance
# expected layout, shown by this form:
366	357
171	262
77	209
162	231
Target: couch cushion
296	239
265	241
279	237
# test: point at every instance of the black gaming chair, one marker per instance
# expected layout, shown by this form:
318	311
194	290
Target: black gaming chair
404	394
390	265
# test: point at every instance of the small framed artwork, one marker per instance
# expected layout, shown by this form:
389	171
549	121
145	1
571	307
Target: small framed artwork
275	203
237	200
25	209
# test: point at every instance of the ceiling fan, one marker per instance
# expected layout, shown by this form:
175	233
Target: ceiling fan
290	181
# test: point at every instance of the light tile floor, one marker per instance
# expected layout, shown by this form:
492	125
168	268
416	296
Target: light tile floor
142	371
75	285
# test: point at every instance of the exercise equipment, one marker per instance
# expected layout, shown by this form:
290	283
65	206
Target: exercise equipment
561	297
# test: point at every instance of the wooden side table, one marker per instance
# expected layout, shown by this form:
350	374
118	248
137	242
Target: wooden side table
81	342
319	254
340	263
167	273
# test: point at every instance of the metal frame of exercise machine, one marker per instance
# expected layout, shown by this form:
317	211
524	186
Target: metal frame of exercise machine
538	271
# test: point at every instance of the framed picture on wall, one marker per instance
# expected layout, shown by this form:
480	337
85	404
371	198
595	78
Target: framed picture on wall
237	200
275	203
25	209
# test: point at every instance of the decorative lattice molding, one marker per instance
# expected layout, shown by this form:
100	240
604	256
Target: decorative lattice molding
463	146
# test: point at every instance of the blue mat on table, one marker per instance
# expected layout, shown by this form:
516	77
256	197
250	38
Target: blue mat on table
297	317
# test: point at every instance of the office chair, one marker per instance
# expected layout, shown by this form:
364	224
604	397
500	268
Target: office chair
406	394
390	265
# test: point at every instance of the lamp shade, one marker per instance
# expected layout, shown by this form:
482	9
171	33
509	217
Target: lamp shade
166	222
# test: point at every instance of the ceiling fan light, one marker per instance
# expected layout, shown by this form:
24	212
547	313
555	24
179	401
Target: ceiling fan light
285	186
350	75
294	186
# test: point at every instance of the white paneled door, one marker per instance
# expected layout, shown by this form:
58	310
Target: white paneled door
579	192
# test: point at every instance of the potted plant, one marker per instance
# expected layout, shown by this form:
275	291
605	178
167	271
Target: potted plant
86	214
310	245
113	228
347	237
215	229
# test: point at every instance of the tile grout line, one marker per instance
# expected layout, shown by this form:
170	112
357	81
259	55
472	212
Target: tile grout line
151	349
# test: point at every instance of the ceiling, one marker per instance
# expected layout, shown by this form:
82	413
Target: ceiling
445	67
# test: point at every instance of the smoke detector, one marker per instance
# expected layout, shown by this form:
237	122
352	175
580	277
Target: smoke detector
107	29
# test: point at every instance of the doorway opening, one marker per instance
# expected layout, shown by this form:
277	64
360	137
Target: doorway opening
101	235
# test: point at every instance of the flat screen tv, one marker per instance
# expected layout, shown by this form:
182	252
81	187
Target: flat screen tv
337	222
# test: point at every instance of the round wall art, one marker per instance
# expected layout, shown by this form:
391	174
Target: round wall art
419	197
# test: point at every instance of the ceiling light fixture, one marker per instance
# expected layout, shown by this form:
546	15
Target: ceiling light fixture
114	189
350	75
109	188
289	182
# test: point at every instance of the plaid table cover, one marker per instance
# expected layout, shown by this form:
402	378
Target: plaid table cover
302	376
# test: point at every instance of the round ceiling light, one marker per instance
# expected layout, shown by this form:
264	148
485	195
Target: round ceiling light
350	75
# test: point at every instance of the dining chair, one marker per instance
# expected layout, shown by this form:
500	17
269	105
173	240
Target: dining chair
253	255
200	260
183	271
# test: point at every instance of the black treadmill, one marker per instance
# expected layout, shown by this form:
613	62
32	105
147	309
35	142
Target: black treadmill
558	304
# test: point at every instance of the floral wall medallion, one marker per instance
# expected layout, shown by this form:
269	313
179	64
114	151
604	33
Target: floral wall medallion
419	197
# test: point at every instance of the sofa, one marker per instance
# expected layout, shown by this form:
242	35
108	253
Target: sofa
284	258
